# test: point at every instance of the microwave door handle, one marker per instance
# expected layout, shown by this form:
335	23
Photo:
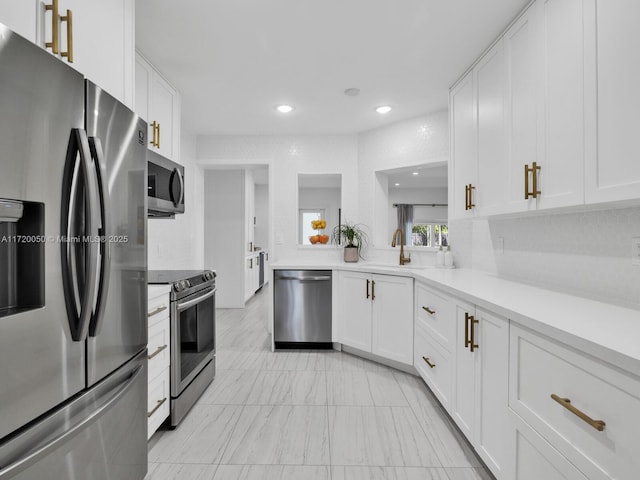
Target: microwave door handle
105	245
191	303
79	270
181	181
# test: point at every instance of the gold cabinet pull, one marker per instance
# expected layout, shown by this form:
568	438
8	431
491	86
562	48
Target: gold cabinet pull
472	343
158	350
533	170
466	329
566	403
159	403
367	288
54	44
428	310
156	311
158	141
69	19
373	290
468	192
426	359
155	141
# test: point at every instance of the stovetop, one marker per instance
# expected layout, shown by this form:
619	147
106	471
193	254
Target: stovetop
183	282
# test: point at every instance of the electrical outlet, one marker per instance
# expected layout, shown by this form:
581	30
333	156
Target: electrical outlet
635	251
500	245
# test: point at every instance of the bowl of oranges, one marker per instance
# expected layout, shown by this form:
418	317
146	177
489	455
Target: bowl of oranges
319	238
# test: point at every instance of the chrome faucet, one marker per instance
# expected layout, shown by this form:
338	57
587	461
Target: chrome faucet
403	260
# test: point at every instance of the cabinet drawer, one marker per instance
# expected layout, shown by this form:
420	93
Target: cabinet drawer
541	368
435	311
158	348
157	401
157	309
438	377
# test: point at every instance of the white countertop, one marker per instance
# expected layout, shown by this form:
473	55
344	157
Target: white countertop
608	332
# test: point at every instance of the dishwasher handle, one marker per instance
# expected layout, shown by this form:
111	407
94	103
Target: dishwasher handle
319	278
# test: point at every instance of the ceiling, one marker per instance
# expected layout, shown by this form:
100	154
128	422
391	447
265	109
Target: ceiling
234	61
432	176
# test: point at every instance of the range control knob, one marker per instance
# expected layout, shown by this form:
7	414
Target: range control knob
178	287
207	276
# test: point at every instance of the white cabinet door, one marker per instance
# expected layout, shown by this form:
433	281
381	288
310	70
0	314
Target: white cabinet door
103	43
21	17
561	178
613	165
161	110
489	79
144	73
392	318
355	310
463	166
522	113
464	400
492	428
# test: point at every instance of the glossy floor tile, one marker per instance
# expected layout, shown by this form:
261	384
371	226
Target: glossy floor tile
313	415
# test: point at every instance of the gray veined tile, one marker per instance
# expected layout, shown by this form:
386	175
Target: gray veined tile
343	362
200	438
385	390
294	360
414	389
387	473
450	446
272	472
229	387
348	388
383	436
289	388
282	435
468	474
232	359
181	471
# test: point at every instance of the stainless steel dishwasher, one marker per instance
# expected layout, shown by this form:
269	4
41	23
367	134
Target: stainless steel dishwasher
302	308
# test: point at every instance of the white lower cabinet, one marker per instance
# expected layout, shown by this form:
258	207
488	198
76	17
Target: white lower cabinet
585	409
433	363
481	378
159	355
376	314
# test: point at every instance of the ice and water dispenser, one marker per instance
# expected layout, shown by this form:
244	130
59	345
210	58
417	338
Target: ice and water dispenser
22	243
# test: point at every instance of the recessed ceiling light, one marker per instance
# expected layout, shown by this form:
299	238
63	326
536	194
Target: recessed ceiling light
415	173
352	92
284	108
383	109
397	184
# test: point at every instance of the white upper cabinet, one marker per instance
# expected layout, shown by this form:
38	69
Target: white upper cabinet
21	17
94	37
463	170
613	165
159	104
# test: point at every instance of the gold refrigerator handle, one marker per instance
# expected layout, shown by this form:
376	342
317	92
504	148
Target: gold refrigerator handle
566	403
69	19
54	44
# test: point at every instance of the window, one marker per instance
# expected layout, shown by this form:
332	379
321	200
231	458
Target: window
429	235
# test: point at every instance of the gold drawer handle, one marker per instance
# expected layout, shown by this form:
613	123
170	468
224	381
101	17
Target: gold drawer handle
159	403
158	350
566	403
426	359
156	311
428	310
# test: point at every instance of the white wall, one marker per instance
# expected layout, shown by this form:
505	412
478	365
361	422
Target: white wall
224	233
324	198
178	244
417	141
287	156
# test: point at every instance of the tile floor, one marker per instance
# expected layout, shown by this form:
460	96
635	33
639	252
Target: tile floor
313	415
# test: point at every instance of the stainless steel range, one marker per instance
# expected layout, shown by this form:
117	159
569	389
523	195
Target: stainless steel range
193	335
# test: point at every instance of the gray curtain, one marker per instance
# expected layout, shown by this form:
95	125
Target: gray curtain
405	220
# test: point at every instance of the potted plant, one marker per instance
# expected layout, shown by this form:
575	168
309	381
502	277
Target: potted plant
354	237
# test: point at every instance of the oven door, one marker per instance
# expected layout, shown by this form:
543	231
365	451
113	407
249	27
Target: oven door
193	337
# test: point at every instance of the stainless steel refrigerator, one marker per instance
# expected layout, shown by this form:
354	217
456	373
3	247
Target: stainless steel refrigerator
73	378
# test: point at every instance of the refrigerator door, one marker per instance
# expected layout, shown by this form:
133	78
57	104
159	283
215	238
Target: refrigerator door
101	435
118	329
41	101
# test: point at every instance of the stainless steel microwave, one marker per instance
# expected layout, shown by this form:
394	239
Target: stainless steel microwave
165	187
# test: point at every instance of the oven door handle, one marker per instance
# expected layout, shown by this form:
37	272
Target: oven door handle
191	303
